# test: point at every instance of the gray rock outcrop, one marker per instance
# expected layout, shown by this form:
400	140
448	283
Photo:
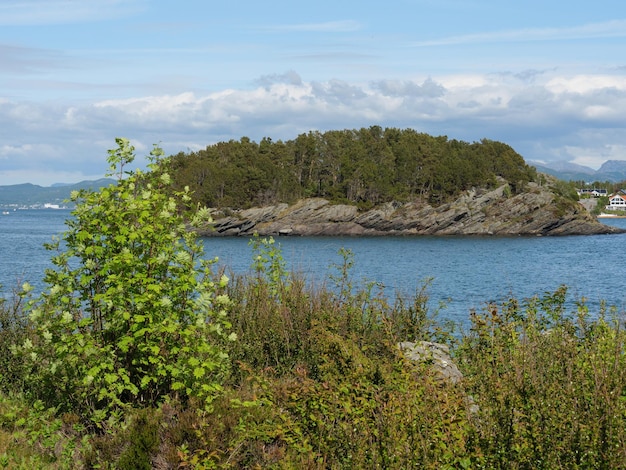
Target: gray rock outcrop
436	355
537	211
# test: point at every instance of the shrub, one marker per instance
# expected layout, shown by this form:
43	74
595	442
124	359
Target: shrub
131	313
14	329
550	385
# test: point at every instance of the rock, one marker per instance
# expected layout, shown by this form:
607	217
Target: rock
436	355
537	211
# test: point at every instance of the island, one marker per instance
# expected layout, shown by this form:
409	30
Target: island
375	181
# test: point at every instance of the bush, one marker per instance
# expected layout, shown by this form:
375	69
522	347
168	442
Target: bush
14	329
131	314
550	386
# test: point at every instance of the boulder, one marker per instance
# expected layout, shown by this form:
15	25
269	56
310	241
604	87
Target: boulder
436	355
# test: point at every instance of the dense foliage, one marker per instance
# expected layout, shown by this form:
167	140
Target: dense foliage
131	314
365	167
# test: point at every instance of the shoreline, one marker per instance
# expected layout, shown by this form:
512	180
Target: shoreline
610	216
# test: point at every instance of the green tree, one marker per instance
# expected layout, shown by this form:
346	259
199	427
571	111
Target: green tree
132	312
365	167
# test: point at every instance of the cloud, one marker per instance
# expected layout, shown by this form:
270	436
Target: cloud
337	92
344	26
409	88
40	12
579	117
583	84
608	29
290	78
594	156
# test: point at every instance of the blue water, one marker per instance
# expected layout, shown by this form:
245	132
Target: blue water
466	272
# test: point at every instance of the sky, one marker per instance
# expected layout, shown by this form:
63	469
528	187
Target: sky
544	76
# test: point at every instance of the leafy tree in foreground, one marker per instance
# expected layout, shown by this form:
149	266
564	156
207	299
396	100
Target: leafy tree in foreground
131	314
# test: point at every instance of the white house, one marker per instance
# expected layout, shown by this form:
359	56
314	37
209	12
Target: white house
617	202
592	192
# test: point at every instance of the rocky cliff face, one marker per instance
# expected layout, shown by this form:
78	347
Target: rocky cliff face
537	211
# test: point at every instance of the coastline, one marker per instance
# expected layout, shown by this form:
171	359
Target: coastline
477	212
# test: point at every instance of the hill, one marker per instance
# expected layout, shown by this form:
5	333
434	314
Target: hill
28	194
363	167
613	171
374	181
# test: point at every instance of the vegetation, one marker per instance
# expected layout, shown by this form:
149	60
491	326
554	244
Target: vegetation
267	371
601	204
130	315
364	167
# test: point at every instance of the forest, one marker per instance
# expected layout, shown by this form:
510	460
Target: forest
365	167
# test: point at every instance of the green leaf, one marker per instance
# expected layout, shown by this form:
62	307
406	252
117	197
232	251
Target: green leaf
125	343
141	332
110	378
193	361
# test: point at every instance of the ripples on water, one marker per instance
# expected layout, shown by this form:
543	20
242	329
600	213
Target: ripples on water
466	272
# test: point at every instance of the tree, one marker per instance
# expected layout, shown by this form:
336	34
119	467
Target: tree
366	167
131	313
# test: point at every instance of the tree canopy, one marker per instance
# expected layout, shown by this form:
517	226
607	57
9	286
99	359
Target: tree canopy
366	167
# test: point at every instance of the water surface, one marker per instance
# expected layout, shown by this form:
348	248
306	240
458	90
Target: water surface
466	272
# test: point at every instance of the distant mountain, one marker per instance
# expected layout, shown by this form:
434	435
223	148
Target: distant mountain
616	169
28	194
611	170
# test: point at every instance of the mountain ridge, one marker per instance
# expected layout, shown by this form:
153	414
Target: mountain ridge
32	194
613	171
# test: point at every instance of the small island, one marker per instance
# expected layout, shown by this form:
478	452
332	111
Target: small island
375	181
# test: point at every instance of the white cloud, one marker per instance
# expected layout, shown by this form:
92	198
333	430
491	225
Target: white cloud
6	150
46	178
579	118
152	107
290	77
428	89
594	157
586	83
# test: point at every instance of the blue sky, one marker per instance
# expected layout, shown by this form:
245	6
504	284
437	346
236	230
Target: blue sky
545	76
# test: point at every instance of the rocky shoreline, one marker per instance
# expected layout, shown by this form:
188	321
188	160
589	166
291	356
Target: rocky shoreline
537	211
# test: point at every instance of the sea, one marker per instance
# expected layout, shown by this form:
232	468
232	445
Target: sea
461	274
